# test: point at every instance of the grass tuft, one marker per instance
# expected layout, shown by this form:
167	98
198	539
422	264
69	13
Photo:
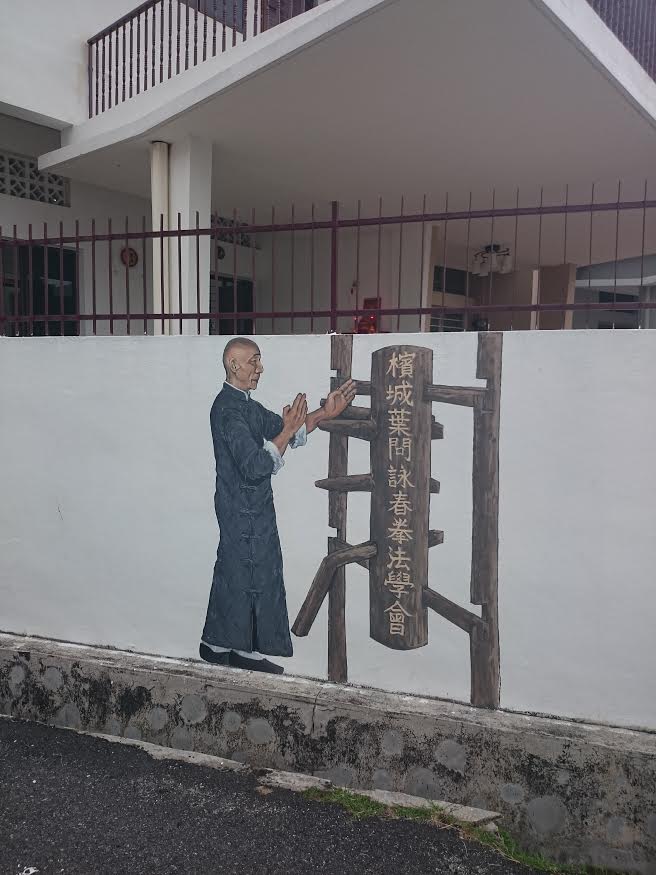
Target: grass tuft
501	841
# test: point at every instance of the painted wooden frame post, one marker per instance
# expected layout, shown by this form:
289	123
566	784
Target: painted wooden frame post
400	427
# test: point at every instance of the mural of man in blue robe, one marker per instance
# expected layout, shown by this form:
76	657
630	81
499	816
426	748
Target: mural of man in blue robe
247	611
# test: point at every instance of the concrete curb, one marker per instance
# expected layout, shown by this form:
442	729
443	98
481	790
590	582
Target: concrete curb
576	793
296	782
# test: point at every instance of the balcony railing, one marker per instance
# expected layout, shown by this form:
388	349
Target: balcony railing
634	23
162	38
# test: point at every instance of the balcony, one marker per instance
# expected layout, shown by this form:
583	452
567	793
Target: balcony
634	23
161	39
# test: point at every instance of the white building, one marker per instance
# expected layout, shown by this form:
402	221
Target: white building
337	120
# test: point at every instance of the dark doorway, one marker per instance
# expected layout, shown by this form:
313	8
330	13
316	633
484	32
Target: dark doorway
224	300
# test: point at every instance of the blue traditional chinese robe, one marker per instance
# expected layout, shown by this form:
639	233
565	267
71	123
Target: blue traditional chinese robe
247	608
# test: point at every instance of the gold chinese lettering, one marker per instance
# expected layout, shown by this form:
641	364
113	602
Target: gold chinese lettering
399	531
400	393
399	479
398	582
400	504
398	560
399	422
402	364
400	447
397	615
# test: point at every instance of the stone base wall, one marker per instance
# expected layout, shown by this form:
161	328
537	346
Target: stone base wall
576	793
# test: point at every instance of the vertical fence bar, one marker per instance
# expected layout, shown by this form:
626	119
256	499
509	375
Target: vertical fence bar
170	39
46	287
146	48
215	257
311	262
244	17
77	276
61	279
513	291
30	280
223	30
642	252
617	244
538	313
255	17
466	320
444	259
93	276
164	315
131	55
273	271
177	39
16	331
357	267
398	297
198	272
90	77
379	302
186	36
138	65
180	273
161	38
196	33
109	72
124	64
213	28
334	242
254	300
127	273
116	67
234	22
421	260
587	312
110	278
293	265
205	34
97	79
489	285
104	73
144	276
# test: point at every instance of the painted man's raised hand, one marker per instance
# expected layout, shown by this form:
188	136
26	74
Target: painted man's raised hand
293	416
339	400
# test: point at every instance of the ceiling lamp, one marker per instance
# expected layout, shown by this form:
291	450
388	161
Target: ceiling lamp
493	258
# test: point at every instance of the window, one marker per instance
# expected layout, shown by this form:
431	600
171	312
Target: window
20	177
447	322
34	283
456	280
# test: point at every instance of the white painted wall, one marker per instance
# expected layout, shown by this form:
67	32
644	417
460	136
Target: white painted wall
43	55
108	533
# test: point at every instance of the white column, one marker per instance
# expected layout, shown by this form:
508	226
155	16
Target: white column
190	195
159	200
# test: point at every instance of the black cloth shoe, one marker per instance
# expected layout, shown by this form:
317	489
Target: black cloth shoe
209	655
237	661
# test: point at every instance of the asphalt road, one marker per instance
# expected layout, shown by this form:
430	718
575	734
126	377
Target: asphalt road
76	804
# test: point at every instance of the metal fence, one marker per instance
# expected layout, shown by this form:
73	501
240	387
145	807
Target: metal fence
634	23
553	263
162	38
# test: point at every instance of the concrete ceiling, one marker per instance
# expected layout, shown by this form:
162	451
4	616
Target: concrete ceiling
420	96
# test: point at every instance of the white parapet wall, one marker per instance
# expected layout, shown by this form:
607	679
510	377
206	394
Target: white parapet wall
108	534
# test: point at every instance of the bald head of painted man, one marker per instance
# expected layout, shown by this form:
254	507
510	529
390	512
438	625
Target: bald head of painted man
242	361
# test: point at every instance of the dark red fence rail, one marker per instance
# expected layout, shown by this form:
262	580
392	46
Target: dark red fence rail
553	264
634	23
162	38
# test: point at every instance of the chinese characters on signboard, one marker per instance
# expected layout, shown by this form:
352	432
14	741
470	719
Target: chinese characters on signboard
399	396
